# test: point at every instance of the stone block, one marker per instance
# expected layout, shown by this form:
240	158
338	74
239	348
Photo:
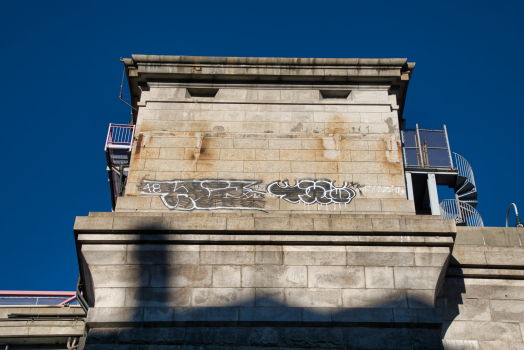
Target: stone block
314	255
89	223
217	165
380	256
158	314
267	154
157	297
464	309
162	254
316	314
368	205
481	331
283	224
297	155
237	154
109	297
431	256
312	337
343	224
241	224
114	254
505	257
484	288
173	153
460	344
465	255
313	297
363	315
507	310
268	255
250	143
385	225
181	276
374	298
416	277
274	276
427	226
205	314
335	277
469	236
140	223
119	276
220	297
269	296
108	315
501	237
270	314
421	298
226	276
494	345
281	144
379	277
226	255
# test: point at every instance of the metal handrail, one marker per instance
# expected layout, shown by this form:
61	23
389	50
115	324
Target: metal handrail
464	168
120	136
461	212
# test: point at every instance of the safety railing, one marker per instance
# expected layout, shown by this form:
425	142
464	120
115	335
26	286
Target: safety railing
9	297
463	213
425	148
120	136
464	168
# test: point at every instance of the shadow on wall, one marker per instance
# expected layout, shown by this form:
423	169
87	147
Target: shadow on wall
250	320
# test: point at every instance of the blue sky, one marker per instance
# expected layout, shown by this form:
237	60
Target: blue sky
61	77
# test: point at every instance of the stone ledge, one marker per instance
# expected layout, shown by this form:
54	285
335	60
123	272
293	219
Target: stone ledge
264	316
264	238
297	223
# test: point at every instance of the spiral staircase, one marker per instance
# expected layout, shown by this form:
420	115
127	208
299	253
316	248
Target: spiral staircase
462	208
428	163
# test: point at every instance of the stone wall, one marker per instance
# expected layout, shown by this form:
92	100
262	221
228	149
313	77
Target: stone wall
482	299
263	132
342	282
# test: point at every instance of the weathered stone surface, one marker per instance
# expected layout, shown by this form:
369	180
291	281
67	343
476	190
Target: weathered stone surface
416	277
507	310
314	255
220	297
181	276
374	298
221	254
226	276
379	277
157	297
274	276
380	256
335	277
313	297
482	331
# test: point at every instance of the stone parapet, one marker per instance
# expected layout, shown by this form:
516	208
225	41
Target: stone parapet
482	298
191	270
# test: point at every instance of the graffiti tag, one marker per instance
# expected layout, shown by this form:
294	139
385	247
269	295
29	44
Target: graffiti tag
323	192
205	194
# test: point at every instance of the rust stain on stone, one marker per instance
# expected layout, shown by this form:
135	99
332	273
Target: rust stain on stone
139	145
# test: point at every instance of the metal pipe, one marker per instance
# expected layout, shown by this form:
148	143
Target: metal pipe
420	148
449	148
516	213
80	297
121	86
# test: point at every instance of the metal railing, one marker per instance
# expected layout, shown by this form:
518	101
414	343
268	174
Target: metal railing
464	168
461	212
10	297
120	136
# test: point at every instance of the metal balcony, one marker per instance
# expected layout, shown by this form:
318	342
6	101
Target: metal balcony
119	143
